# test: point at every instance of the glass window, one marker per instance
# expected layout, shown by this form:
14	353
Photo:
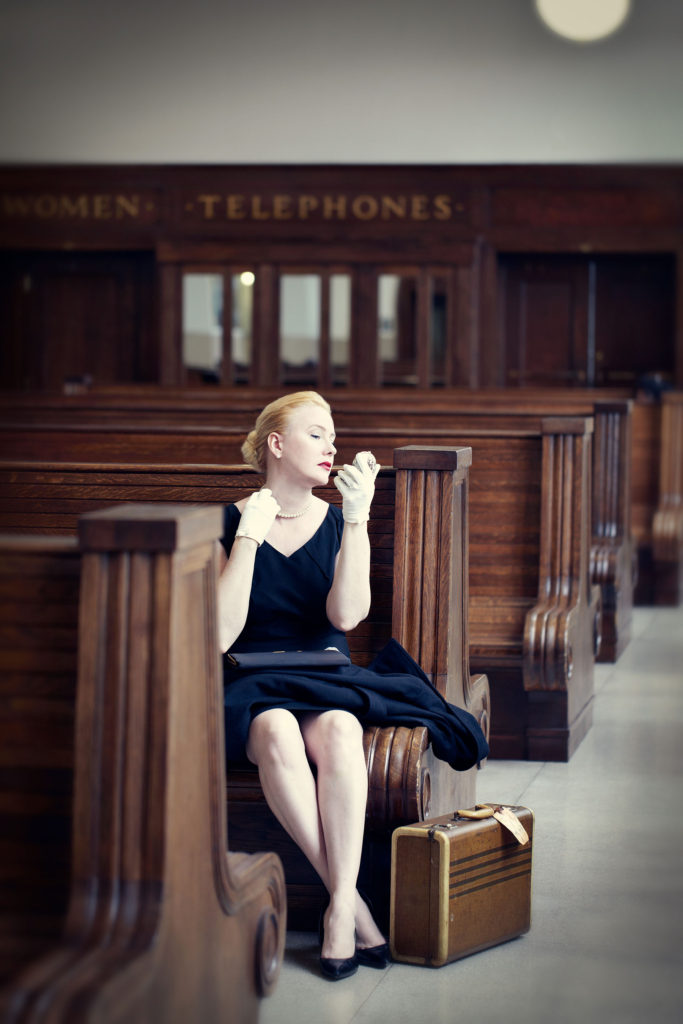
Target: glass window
300	324
340	326
203	323
396	322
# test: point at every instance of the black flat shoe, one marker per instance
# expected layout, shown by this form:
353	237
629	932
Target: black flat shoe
374	956
336	970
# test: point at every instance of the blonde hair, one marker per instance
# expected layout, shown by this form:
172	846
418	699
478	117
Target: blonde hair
273	419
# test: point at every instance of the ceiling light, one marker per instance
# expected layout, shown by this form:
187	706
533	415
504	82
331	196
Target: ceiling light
583	21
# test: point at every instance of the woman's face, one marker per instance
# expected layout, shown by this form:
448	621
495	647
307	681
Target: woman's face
306	448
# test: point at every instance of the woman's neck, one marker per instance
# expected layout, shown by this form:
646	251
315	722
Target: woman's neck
291	497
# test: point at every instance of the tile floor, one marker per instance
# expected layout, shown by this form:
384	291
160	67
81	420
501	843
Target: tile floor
606	940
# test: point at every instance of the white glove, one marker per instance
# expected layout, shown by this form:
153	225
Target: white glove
356	484
258	516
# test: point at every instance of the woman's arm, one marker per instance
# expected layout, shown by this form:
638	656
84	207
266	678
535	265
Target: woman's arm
236	573
234	589
348	601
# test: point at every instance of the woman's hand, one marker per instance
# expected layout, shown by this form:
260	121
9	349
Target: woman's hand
258	516
356	484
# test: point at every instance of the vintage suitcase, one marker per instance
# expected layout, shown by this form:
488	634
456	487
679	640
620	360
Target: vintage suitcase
459	884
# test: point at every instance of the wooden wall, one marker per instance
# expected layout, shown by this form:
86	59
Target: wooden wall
509	275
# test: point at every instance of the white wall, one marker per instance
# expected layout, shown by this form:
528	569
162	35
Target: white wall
338	81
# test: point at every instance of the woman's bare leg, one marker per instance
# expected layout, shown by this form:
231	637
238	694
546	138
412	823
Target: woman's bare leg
276	746
334	742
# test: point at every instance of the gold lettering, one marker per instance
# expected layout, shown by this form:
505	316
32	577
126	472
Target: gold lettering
442	208
235	207
418	209
46	206
334	207
127	206
256	212
73	207
365	207
15	206
306	205
282	207
101	207
209	204
393	207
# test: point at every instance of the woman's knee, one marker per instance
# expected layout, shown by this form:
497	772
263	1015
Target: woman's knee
275	737
334	733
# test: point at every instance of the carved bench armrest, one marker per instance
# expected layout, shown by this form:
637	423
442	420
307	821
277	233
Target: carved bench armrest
399	785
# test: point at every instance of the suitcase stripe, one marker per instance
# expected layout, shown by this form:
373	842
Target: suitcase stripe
495	852
455	892
462	879
462	865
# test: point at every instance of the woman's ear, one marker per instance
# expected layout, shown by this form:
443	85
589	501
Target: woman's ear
275	444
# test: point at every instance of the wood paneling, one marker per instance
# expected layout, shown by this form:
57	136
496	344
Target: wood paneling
604	318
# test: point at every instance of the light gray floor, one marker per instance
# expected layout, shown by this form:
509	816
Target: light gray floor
606	940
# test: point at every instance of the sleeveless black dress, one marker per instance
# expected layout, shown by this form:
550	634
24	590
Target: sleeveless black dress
287	612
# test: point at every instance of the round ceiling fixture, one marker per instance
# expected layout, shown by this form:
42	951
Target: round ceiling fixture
583	21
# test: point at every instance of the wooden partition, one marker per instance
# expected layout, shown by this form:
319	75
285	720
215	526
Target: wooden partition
162	923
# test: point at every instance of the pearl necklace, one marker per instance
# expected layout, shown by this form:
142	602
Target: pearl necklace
294	515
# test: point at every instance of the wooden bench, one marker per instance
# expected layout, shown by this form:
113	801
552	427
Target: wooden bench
210	425
210	408
419	580
529	537
125	893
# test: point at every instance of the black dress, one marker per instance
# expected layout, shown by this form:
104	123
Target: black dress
287	612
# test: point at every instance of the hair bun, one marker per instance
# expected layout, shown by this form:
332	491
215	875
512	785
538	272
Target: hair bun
249	452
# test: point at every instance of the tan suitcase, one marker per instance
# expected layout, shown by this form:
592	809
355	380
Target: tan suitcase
458	885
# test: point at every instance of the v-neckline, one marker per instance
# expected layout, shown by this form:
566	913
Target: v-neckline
305	543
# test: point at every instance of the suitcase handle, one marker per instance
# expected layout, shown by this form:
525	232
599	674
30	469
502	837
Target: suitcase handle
478	811
505	815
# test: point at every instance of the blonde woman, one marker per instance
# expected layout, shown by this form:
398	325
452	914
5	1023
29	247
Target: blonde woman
296	577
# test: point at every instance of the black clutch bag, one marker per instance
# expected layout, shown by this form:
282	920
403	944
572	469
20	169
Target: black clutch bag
288	659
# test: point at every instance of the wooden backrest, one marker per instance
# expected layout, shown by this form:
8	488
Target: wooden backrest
49	499
207	425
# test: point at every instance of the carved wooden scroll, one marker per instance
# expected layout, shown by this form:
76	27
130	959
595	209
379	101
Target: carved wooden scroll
612	556
561	633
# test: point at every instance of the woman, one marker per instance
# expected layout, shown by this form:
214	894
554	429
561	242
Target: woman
296	576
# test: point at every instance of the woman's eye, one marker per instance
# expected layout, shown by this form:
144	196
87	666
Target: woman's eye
316	436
